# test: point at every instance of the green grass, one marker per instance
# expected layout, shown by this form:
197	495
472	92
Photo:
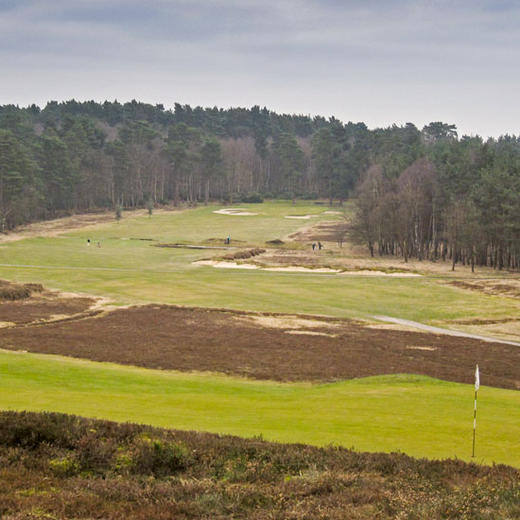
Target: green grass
416	415
133	271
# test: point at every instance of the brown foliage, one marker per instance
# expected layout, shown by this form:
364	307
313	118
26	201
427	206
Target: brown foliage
58	466
242	255
161	336
14	291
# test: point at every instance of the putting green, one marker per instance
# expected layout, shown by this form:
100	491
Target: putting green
420	416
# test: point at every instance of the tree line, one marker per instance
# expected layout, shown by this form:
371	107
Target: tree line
74	156
420	193
443	198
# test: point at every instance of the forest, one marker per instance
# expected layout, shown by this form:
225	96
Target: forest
417	193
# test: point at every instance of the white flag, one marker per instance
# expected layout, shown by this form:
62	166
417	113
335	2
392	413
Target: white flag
477	380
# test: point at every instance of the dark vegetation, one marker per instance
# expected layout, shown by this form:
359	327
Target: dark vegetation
14	291
245	253
459	202
421	193
165	337
26	303
59	466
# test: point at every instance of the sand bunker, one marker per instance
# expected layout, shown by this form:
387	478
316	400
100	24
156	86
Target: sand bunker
238	212
368	272
297	269
300	217
226	265
421	348
332	213
293	269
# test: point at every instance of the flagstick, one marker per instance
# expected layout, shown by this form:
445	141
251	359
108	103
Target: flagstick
474	424
477	386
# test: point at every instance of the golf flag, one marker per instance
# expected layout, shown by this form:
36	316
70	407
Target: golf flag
477	386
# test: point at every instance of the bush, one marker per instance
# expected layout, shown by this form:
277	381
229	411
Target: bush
251	197
160	457
309	196
64	466
243	255
14	291
29	430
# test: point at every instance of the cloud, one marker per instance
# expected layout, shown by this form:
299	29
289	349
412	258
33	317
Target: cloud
375	60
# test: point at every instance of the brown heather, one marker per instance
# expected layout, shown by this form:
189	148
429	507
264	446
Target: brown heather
14	291
56	466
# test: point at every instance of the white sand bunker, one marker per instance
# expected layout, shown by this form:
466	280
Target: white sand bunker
300	217
226	265
296	269
333	213
368	272
238	212
422	348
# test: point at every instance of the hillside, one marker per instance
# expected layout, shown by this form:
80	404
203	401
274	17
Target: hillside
59	466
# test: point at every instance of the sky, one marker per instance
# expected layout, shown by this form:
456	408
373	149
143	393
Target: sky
377	61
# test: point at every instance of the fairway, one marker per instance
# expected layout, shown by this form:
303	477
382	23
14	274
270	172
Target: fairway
130	270
419	416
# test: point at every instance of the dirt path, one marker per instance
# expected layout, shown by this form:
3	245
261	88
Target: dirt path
446	332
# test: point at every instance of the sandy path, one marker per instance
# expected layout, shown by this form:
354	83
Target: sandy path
446	332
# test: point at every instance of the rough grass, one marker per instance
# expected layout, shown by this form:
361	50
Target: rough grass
58	466
275	347
416	415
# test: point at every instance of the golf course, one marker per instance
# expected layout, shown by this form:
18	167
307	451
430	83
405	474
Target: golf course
182	259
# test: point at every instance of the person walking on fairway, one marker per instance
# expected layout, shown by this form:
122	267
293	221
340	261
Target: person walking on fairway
320	246
313	246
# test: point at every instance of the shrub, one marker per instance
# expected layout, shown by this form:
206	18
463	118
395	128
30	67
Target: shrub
29	430
252	198
13	291
160	457
64	466
243	255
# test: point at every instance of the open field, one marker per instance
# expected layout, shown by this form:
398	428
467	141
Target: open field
417	415
56	466
280	347
130	270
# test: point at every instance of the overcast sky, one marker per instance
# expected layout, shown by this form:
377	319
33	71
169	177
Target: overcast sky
377	61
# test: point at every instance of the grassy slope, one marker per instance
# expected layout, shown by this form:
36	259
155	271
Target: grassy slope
131	271
416	415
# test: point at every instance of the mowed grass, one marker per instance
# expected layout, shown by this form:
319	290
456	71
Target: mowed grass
419	416
130	270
